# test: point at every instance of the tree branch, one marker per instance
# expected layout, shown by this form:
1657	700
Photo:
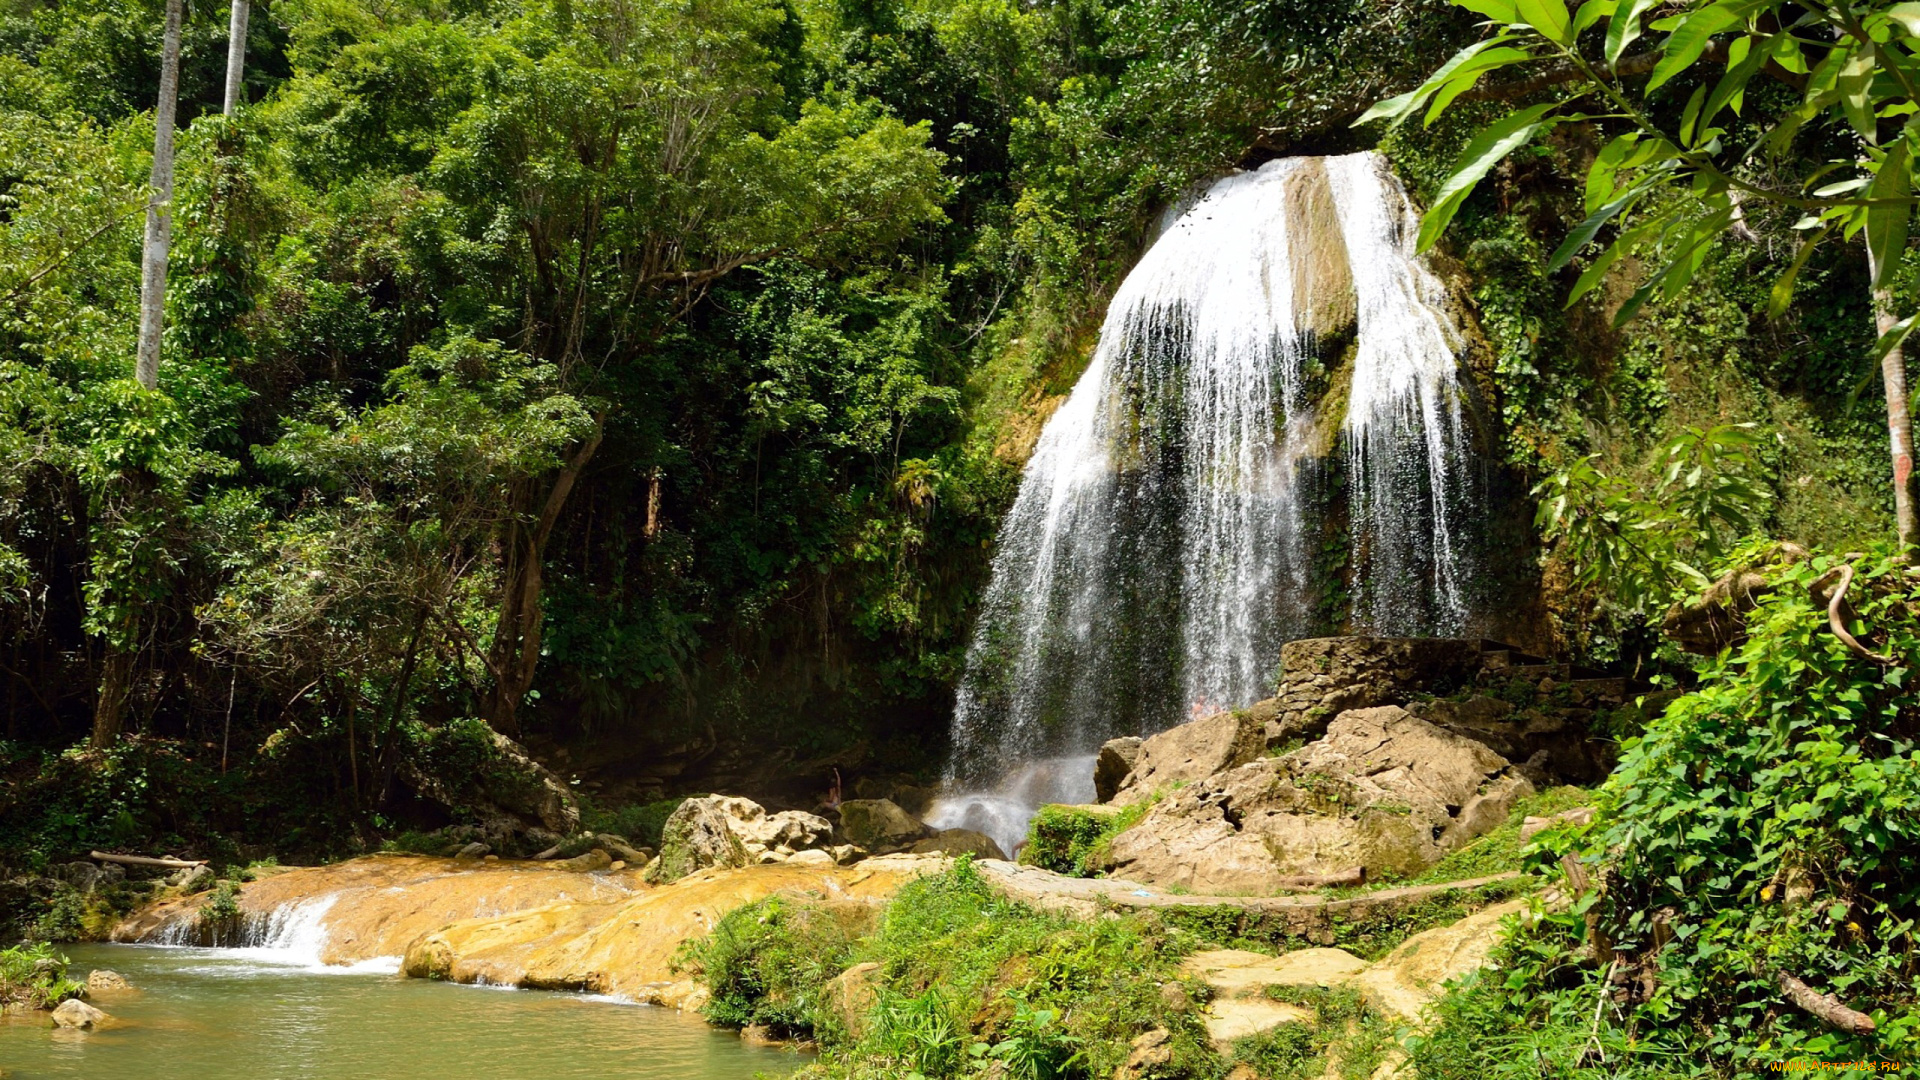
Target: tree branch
1824	1007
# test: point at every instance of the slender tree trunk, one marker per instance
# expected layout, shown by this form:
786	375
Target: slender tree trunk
153	262
110	708
236	54
516	640
1893	376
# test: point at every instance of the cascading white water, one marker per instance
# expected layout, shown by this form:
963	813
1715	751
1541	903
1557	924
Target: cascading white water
1408	477
291	936
1161	545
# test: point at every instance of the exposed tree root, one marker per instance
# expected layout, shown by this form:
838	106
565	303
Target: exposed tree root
1824	1007
1834	620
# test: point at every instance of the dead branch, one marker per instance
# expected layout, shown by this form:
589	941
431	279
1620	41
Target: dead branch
1824	1007
1834	620
143	860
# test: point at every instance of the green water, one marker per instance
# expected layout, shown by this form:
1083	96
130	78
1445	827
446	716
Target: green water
246	1014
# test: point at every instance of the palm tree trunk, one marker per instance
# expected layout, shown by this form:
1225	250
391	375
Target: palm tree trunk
153	262
236	54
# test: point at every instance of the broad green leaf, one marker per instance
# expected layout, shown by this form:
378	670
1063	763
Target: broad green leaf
1887	220
1486	150
1782	292
1580	236
1468	75
1592	12
1549	17
1396	108
1500	11
1606	165
1624	28
1907	17
1692	36
1734	82
1855	83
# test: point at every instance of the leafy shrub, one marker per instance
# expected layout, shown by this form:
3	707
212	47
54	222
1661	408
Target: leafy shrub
65	918
1072	841
1767	824
220	910
35	976
768	962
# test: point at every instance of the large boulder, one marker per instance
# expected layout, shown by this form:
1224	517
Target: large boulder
510	791
1383	790
1194	751
1117	758
698	834
880	826
1320	678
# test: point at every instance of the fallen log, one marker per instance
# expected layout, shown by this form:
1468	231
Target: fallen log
1824	1007
144	860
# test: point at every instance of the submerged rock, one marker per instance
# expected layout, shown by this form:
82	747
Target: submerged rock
102	979
74	1013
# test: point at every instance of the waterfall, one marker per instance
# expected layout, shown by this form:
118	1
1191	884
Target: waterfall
1409	486
1163	542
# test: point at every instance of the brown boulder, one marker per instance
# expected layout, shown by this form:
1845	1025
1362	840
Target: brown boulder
959	842
1194	751
74	1013
851	994
699	834
879	825
1383	790
1110	769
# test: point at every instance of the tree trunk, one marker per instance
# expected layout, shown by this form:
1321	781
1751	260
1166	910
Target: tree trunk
516	640
1893	376
153	262
236	54
110	708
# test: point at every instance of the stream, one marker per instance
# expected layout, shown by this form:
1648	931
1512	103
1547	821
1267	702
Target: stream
268	1014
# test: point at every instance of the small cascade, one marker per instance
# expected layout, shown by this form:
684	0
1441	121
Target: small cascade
1165	538
291	936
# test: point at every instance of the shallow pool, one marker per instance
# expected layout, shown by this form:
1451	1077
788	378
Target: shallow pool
262	1014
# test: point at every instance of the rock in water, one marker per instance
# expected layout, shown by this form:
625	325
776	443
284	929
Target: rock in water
879	825
74	1013
960	842
698	835
473	851
1116	760
587	862
101	979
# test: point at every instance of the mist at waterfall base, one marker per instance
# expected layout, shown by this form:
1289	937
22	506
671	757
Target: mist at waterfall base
1171	526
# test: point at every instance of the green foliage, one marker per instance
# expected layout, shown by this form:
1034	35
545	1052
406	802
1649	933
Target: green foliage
64	918
220	910
1638	546
1378	932
1501	850
640	823
768	962
967	980
1851	68
35	976
1071	841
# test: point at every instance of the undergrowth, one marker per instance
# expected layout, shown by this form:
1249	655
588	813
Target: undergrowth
35	977
1074	841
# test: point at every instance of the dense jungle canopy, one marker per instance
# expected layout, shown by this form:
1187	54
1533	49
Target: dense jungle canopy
646	381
